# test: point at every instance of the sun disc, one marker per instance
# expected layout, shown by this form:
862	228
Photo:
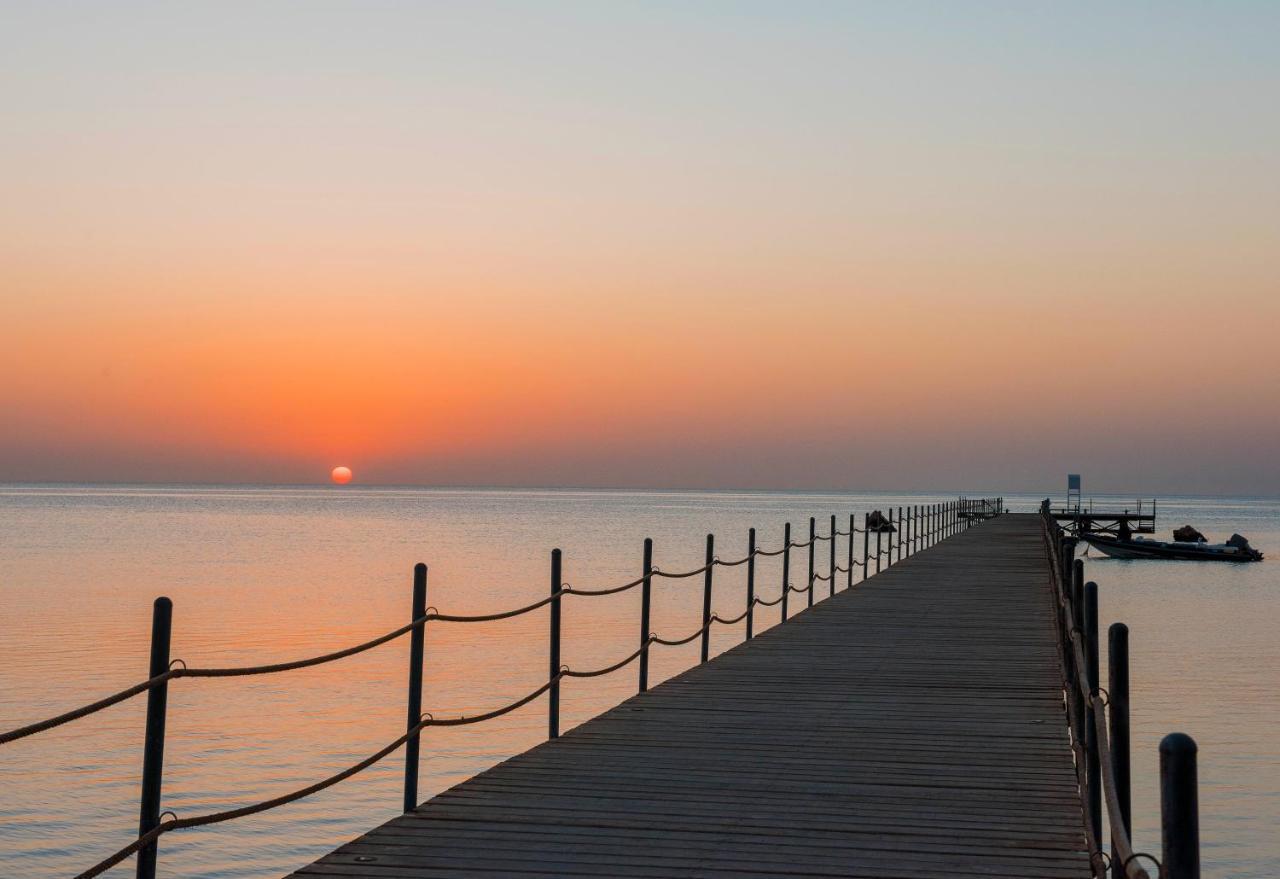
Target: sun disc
341	475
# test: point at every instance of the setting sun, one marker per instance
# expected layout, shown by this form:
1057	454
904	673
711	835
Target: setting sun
340	475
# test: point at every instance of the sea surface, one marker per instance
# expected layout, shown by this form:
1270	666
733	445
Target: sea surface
265	574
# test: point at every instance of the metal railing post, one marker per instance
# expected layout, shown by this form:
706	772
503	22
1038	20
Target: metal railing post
813	530
706	598
866	546
1093	767
153	745
786	568
751	582
553	664
1118	729
1077	625
879	552
646	594
1179	808
832	582
417	640
848	583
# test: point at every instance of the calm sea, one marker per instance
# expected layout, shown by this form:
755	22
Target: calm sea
268	574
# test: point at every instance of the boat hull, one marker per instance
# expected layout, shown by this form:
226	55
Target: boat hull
1129	549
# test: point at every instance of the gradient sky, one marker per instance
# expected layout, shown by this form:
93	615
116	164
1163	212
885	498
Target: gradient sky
821	245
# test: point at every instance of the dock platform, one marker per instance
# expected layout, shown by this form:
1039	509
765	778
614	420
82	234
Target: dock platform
912	726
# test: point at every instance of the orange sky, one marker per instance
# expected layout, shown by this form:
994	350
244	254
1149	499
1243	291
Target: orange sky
273	253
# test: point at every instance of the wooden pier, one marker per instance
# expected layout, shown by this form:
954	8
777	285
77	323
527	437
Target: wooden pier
910	726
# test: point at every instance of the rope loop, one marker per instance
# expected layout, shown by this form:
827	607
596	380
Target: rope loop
168	812
1102	695
172	662
1152	858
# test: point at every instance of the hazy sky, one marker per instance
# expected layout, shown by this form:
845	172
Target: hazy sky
891	245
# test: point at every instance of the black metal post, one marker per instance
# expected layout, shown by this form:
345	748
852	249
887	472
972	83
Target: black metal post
866	543
553	666
417	640
786	568
813	531
153	746
751	582
878	550
706	598
900	534
832	582
1118	728
1179	807
646	594
1077	625
848	583
1093	768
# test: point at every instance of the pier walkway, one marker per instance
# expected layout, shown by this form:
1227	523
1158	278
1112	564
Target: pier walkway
911	726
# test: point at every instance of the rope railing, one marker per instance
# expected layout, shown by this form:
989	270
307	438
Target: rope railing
928	525
1098	719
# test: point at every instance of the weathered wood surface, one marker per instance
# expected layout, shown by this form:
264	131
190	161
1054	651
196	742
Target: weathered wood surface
909	727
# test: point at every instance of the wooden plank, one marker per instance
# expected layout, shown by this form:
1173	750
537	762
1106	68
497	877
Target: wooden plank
910	727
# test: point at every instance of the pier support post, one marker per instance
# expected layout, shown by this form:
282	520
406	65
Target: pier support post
1118	728
153	745
901	533
751	582
879	551
1179	807
417	642
646	596
553	665
706	598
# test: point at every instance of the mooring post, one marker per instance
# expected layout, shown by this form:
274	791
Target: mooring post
417	640
831	584
553	665
646	590
1094	766
848	583
706	598
751	582
1118	728
1179	807
901	533
786	568
153	745
813	531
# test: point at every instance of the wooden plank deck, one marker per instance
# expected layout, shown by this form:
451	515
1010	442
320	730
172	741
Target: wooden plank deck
909	727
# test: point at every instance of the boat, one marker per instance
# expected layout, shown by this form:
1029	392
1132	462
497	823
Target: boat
1237	549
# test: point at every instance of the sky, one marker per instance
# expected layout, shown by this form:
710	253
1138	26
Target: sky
754	245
